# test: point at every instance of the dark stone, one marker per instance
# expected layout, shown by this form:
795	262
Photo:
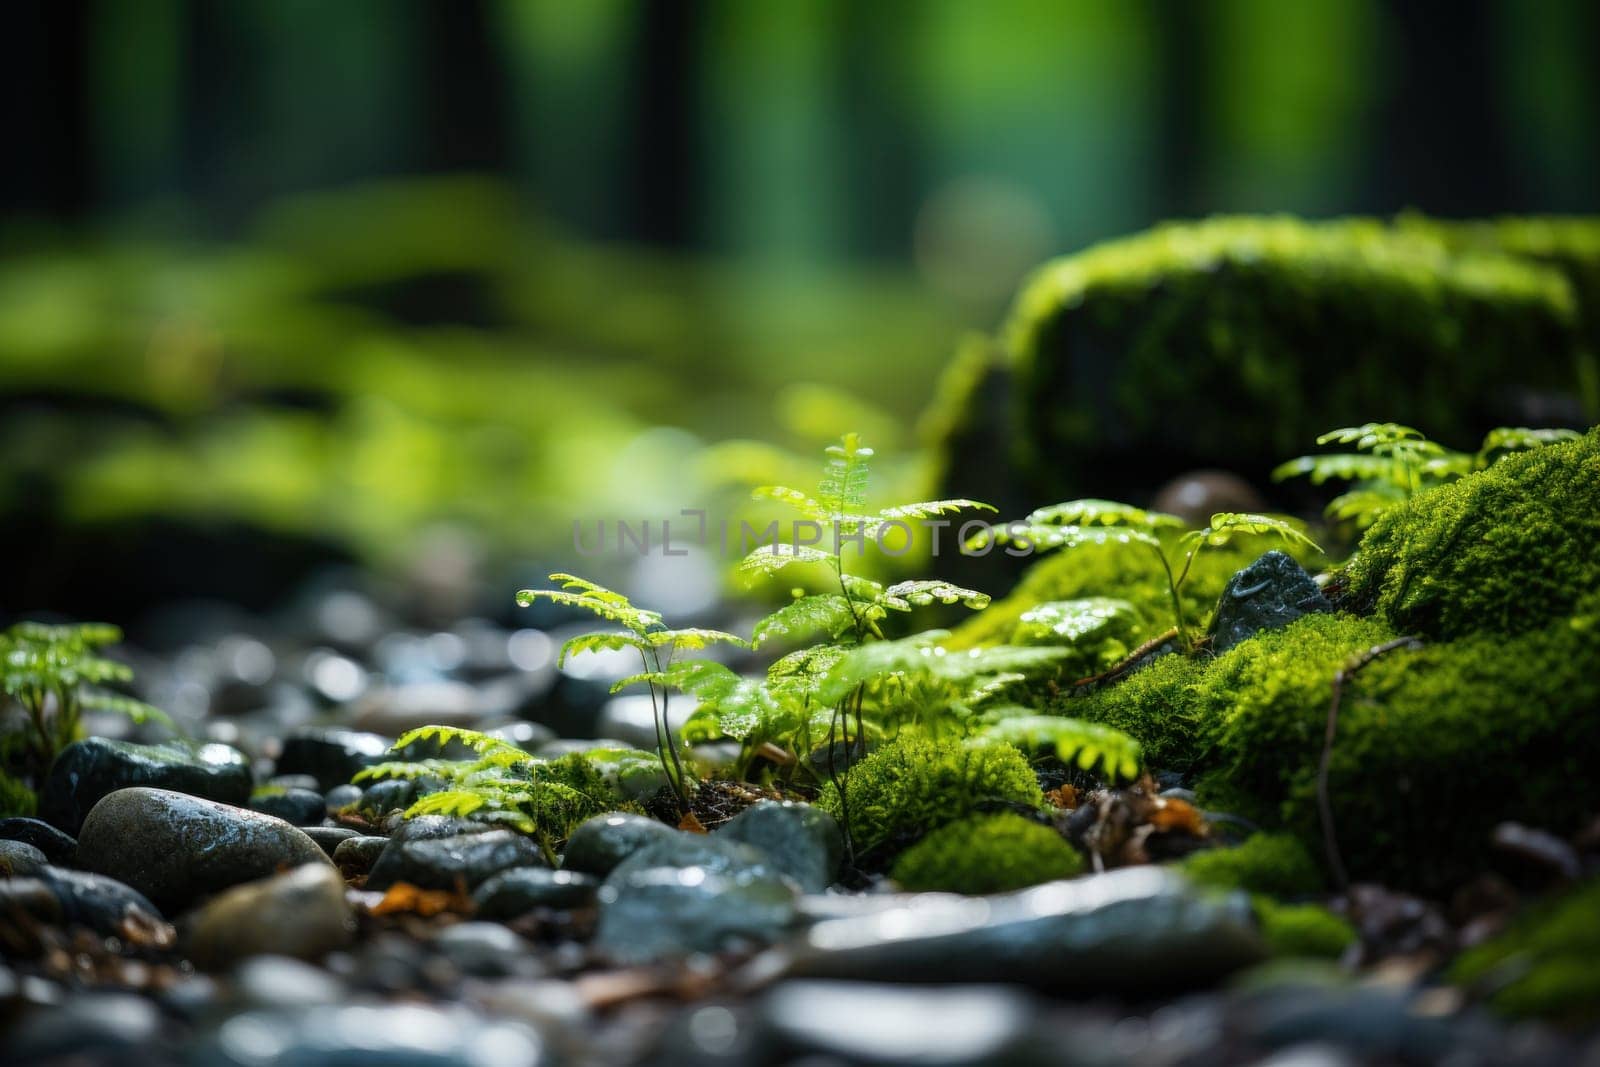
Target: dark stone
103	904
88	770
656	913
1136	930
301	913
799	840
600	843
486	950
90	1027
332	757
30	896
175	848
355	856
329	838
299	807
57	847
294	781
713	853
522	889
380	798
390	1035
442	862
427	827
340	797
1269	594
18	859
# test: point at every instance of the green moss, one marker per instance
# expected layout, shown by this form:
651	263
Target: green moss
986	854
1544	964
913	785
1154	705
1302	930
1274	864
1504	550
16	798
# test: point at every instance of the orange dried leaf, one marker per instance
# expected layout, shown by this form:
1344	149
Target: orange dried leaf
1172	813
405	898
1063	796
691	823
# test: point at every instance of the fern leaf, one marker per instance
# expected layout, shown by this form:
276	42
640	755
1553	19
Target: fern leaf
770	559
1521	439
903	596
843	489
801	501
1336	466
1045	536
598	642
1093	512
476	740
928	509
404	769
1073	741
135	710
822	613
581	593
693	638
455	802
1226	525
1371	435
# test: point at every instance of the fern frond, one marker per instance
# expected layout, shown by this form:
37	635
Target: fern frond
608	604
1226	525
903	596
770	559
821	613
1363	506
598	642
1093	512
454	802
404	769
1073	741
1371	435
1508	439
693	638
920	656
476	740
1340	466
135	710
843	489
928	509
801	501
1044	536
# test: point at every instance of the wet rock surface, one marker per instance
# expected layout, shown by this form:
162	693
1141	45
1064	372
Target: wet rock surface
799	840
522	889
176	848
598	845
1269	594
299	807
445	862
650	913
93	768
56	846
332	757
301	913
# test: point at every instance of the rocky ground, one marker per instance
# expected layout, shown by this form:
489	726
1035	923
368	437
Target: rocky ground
237	901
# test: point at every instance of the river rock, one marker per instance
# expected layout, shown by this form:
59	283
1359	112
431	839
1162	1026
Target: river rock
391	1035
56	846
329	838
354	856
18	859
332	757
600	843
522	889
656	913
105	905
299	807
1138	929
175	848
442	862
799	840
87	770
1269	594
302	913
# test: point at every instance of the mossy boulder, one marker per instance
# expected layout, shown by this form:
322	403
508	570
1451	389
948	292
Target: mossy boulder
1544	964
986	854
914	785
1434	745
1503	550
1291	327
1275	864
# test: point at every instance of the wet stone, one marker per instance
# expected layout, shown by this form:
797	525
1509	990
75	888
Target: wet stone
56	846
176	848
103	904
294	781
523	889
270	981
799	840
329	838
600	843
1138	929
381	798
425	827
18	859
332	757
354	856
442	862
340	797
302	913
396	1035
487	950
656	913
1268	594
300	807
89	1027
93	768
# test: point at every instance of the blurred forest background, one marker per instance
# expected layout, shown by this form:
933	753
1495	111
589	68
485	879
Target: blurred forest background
412	284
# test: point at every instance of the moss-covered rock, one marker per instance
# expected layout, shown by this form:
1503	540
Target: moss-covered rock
1296	327
1434	745
913	785
1544	964
1302	930
1277	865
1502	550
986	854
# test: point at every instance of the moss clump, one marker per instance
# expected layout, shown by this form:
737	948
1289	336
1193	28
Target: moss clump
1298	325
1302	930
913	785
1544	965
1424	736
1274	864
986	854
1503	550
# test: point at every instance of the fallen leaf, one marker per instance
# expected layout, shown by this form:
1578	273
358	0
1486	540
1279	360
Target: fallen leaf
691	823
1172	813
403	898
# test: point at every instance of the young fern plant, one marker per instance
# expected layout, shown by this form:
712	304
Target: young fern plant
56	673
643	631
1077	523
1392	463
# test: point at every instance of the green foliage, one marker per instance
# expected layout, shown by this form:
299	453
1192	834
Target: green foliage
986	854
1501	550
1424	735
1087	745
504	784
1392	463
913	785
1305	931
16	798
1543	965
1104	523
1093	634
1276	865
55	673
